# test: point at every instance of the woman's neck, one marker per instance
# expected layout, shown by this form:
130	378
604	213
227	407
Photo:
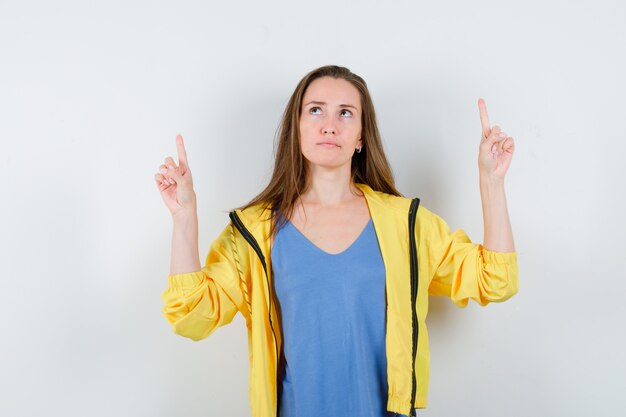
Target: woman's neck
329	187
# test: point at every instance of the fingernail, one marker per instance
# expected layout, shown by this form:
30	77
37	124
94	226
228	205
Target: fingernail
170	167
163	171
171	181
503	135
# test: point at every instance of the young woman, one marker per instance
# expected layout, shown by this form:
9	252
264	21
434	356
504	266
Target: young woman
330	266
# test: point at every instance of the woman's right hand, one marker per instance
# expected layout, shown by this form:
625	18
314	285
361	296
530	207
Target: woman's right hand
175	183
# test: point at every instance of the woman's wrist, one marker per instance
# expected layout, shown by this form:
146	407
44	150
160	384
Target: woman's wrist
185	216
491	181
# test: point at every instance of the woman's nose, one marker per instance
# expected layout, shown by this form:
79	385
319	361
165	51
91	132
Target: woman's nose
329	129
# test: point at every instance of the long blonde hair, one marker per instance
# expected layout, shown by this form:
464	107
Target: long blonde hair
290	175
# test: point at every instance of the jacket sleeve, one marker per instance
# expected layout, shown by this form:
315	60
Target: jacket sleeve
196	303
460	269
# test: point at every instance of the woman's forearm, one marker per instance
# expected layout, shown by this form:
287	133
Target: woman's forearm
185	256
498	233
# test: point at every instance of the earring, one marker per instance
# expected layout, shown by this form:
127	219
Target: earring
358	150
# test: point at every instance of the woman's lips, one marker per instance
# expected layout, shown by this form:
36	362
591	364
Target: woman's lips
329	145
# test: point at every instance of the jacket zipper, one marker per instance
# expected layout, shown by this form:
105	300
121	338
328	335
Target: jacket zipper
252	241
414	287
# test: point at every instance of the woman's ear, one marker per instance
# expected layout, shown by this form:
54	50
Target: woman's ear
359	145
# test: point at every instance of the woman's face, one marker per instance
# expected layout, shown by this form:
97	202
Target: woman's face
330	122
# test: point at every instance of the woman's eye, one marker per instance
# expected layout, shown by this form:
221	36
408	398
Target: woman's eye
315	110
346	113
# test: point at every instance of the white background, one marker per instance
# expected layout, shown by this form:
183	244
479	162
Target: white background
92	95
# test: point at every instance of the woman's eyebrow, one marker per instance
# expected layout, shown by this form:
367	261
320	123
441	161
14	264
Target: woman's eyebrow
322	103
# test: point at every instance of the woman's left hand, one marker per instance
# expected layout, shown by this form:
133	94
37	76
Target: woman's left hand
496	148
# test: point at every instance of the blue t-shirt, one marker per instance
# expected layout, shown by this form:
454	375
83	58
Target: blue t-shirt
333	326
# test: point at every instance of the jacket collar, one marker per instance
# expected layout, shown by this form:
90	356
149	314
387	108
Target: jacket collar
260	214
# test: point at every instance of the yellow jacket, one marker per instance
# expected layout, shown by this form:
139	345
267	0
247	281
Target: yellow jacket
237	277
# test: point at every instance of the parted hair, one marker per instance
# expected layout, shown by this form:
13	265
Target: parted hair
290	177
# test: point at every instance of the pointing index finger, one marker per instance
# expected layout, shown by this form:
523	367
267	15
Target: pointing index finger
484	117
180	147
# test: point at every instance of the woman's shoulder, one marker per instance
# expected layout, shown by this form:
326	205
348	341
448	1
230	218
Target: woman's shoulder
382	198
254	214
400	204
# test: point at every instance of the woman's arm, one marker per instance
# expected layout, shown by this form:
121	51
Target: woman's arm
498	235
494	158
184	255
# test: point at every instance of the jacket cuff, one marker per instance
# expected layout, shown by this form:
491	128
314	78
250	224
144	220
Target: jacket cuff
493	257
186	280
